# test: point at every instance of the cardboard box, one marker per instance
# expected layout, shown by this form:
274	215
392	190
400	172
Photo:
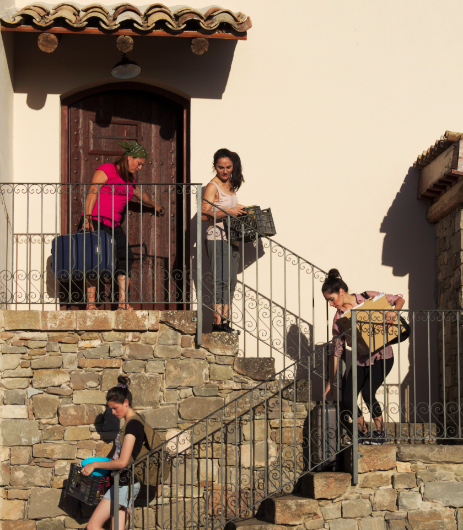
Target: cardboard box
371	330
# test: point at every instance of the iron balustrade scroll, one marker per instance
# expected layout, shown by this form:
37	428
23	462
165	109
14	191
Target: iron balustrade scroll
158	246
274	301
223	467
426	405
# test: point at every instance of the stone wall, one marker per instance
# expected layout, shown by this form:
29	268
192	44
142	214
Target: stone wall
400	488
449	256
449	261
406	487
56	368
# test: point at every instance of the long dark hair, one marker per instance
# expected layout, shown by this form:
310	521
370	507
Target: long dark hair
122	167
121	392
334	282
236	177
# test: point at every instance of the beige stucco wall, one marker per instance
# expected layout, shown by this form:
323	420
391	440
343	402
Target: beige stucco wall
328	105
6	104
6	154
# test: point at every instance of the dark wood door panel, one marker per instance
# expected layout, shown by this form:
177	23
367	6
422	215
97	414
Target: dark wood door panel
104	138
96	124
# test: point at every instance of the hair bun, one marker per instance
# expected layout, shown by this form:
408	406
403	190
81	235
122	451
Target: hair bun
334	273
123	381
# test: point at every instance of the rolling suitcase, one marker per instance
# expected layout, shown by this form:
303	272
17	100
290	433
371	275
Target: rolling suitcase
89	254
324	436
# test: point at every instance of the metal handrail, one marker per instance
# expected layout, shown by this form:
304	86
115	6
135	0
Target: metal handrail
35	209
27	277
255	314
320	349
259	235
426	417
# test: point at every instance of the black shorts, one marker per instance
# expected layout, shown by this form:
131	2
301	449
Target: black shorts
124	254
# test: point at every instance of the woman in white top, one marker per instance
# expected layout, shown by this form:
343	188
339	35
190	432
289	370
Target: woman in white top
223	255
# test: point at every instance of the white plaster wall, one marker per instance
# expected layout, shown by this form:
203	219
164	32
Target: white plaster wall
328	105
6	104
6	155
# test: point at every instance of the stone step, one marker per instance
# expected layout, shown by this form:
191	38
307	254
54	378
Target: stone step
257	368
292	510
419	434
250	524
221	343
325	485
374	458
259	524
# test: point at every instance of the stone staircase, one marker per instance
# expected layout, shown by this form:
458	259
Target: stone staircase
302	510
414	487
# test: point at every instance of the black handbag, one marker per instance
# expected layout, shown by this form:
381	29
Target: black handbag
405	329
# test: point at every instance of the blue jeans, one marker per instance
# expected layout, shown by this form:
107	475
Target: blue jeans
125	494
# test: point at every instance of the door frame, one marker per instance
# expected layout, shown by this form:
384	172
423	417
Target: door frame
65	145
67	102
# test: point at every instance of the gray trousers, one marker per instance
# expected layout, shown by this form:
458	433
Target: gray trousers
227	256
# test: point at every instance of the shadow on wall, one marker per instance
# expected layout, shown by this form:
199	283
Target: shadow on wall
299	339
8	45
409	248
83	60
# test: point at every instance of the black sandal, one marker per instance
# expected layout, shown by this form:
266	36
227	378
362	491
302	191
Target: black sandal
228	329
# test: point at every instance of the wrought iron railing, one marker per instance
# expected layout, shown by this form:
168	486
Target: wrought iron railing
157	250
275	301
262	441
426	405
222	468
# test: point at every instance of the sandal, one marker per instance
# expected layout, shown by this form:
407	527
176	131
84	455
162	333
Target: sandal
127	308
91	307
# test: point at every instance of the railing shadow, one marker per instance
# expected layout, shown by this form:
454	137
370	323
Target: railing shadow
223	467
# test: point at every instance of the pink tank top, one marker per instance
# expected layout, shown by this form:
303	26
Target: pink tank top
104	203
225	201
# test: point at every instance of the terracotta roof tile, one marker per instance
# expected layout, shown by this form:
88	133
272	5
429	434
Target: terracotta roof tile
155	17
443	143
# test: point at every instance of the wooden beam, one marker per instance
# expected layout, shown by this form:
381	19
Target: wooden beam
199	46
446	203
48	42
451	159
124	43
97	31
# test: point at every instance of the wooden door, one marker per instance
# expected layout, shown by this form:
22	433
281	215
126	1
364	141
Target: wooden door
96	124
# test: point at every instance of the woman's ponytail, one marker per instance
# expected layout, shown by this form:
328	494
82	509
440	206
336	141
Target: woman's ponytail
122	168
120	392
334	282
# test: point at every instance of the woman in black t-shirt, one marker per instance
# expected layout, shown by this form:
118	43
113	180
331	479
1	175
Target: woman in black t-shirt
119	400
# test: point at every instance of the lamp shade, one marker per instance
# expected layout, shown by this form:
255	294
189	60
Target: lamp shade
125	69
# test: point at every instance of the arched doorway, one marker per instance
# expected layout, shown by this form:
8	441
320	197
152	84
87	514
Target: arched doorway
93	122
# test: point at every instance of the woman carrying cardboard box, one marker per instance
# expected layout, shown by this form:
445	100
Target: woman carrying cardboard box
369	376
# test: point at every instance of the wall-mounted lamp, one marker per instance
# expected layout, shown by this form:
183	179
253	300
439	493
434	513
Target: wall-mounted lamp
126	69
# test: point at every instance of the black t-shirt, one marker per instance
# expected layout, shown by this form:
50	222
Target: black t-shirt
136	428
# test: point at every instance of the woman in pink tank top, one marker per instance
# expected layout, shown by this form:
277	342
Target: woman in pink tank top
113	185
223	254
